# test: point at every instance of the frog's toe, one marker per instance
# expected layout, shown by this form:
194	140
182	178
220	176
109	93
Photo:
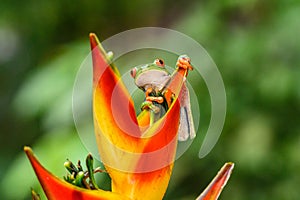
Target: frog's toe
184	62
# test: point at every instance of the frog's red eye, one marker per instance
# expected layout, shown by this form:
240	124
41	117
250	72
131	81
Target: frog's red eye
160	62
133	72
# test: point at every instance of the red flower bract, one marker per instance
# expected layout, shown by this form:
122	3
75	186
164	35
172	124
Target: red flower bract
140	167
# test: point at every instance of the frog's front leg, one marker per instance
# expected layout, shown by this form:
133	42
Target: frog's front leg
159	100
184	62
148	91
149	103
153	98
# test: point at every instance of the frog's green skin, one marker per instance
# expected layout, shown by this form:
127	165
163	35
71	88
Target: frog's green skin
152	79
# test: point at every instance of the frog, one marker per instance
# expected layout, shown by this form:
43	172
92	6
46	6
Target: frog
153	79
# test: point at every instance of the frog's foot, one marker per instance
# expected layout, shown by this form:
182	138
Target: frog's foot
148	91
156	99
149	105
184	62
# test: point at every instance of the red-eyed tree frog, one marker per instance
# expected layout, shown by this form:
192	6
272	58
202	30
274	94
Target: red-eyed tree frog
153	79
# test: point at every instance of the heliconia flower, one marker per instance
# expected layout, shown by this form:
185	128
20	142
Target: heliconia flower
140	167
137	155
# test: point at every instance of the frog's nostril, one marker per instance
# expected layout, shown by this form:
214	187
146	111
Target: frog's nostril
133	72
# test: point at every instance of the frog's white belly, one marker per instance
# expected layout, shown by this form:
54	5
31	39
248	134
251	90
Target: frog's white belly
156	79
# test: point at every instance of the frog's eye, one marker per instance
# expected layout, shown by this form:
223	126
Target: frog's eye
133	72
160	62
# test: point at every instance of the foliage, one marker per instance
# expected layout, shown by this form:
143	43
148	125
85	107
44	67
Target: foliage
254	44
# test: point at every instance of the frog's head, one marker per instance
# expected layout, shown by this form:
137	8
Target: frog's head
153	75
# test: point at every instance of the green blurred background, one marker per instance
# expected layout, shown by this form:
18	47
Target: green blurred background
254	43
